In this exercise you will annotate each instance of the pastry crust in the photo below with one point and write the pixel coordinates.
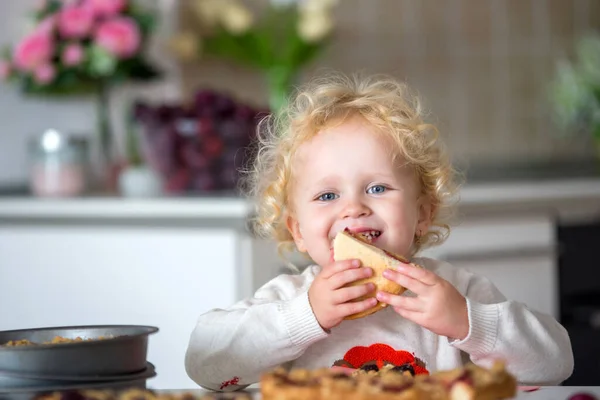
(467, 383)
(350, 246)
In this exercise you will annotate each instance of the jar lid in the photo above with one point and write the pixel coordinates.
(53, 141)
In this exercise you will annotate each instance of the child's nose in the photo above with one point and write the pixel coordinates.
(355, 209)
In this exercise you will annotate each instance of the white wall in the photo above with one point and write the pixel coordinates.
(22, 118)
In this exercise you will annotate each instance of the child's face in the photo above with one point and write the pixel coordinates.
(345, 177)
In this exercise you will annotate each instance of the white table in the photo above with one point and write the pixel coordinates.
(558, 392)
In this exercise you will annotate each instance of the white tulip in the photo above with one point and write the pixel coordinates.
(236, 18)
(207, 11)
(314, 26)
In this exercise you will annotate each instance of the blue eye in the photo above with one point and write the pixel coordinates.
(327, 196)
(376, 189)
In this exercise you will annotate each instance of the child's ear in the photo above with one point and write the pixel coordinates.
(294, 229)
(425, 212)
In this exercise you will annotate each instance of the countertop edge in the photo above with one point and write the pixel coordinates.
(232, 207)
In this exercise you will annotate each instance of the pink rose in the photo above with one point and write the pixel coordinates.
(44, 73)
(119, 36)
(34, 50)
(106, 7)
(46, 26)
(75, 22)
(72, 54)
(5, 70)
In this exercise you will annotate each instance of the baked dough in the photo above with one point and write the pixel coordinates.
(467, 383)
(352, 246)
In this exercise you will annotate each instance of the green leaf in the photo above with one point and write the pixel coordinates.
(101, 62)
(237, 48)
(65, 84)
(145, 21)
(137, 69)
(52, 7)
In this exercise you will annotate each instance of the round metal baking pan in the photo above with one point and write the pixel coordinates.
(122, 350)
(14, 380)
(32, 393)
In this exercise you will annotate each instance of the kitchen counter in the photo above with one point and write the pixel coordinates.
(198, 250)
(545, 393)
(230, 207)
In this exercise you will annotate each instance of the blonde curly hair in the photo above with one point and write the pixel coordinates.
(384, 103)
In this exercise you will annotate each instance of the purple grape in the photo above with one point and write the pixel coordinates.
(205, 127)
(193, 157)
(231, 130)
(224, 106)
(204, 99)
(166, 113)
(583, 396)
(212, 146)
(203, 181)
(178, 182)
(235, 156)
(245, 113)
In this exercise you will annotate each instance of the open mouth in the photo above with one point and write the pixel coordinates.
(369, 235)
(365, 235)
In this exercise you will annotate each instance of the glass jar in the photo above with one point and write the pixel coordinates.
(58, 165)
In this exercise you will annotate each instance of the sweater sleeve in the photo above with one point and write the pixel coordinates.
(230, 348)
(535, 347)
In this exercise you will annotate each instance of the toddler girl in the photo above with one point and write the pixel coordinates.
(356, 153)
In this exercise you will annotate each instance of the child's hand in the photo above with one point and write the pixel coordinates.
(438, 306)
(330, 301)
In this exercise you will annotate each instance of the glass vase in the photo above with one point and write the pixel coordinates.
(280, 82)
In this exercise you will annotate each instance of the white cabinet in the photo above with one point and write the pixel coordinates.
(527, 279)
(97, 274)
(516, 251)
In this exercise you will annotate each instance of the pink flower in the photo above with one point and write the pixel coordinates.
(44, 73)
(75, 22)
(46, 26)
(72, 54)
(34, 50)
(5, 70)
(119, 36)
(106, 7)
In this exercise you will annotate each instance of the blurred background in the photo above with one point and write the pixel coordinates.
(124, 125)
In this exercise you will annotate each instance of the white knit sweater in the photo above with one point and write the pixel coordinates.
(230, 348)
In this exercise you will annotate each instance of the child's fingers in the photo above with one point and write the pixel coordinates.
(339, 266)
(414, 316)
(402, 302)
(348, 276)
(420, 274)
(412, 284)
(350, 293)
(356, 306)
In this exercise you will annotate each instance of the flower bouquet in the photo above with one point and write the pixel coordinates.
(575, 91)
(82, 47)
(288, 35)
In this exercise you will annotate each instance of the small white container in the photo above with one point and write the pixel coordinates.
(58, 165)
(140, 181)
